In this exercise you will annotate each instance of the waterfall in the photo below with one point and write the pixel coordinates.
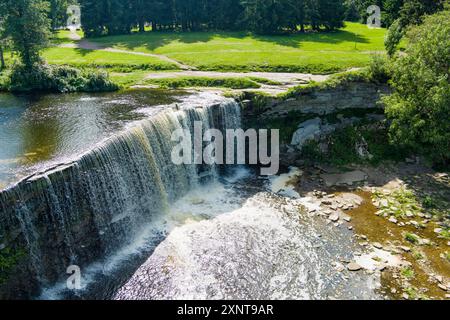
(83, 211)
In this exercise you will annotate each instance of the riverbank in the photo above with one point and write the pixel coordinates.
(399, 215)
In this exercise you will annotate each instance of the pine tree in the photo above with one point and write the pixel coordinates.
(92, 17)
(331, 13)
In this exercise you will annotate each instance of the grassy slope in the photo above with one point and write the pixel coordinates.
(114, 60)
(226, 51)
(313, 52)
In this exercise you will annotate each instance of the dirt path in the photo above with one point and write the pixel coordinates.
(284, 81)
(88, 45)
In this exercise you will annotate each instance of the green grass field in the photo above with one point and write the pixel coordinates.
(238, 51)
(111, 60)
(318, 53)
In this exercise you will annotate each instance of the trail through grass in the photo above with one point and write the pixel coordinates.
(239, 51)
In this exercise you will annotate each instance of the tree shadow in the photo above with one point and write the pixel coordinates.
(157, 39)
(296, 40)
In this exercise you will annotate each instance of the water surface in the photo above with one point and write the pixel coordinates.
(38, 131)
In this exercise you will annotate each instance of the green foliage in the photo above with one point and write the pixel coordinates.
(391, 10)
(429, 203)
(411, 237)
(342, 146)
(379, 70)
(8, 261)
(260, 101)
(407, 272)
(27, 24)
(413, 11)
(190, 82)
(335, 81)
(43, 77)
(393, 37)
(410, 12)
(419, 107)
(109, 17)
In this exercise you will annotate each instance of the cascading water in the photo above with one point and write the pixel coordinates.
(81, 211)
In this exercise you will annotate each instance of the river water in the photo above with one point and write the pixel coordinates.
(38, 131)
(164, 232)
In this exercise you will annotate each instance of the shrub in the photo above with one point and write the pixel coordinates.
(379, 69)
(44, 77)
(420, 104)
(393, 37)
(9, 259)
(188, 82)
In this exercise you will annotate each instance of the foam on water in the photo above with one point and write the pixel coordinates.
(267, 248)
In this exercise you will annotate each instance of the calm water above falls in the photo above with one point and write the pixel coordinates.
(38, 131)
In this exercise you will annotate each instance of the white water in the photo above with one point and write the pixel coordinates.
(265, 248)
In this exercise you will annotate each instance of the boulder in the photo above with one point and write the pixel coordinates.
(307, 131)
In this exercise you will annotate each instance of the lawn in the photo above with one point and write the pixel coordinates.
(114, 61)
(192, 82)
(239, 51)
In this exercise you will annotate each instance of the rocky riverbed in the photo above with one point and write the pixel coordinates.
(399, 214)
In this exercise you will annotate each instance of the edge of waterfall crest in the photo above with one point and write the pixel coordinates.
(79, 212)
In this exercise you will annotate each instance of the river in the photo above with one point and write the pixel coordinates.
(104, 195)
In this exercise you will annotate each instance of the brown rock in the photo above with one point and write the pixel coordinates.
(353, 266)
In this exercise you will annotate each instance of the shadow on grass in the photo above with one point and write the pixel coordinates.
(154, 40)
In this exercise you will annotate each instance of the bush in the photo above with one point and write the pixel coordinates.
(420, 104)
(379, 69)
(44, 77)
(190, 82)
(393, 37)
(341, 146)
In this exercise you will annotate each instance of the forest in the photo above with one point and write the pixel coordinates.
(109, 17)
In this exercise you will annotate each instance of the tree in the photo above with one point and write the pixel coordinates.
(58, 12)
(351, 11)
(412, 13)
(331, 13)
(419, 107)
(28, 26)
(393, 37)
(267, 16)
(391, 10)
(2, 36)
(106, 17)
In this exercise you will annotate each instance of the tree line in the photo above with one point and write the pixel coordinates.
(410, 12)
(25, 24)
(108, 17)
